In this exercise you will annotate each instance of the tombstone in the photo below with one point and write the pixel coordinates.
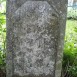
(35, 36)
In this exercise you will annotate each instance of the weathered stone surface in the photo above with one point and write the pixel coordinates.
(35, 34)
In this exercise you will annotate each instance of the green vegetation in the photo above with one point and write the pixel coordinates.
(72, 12)
(70, 50)
(2, 34)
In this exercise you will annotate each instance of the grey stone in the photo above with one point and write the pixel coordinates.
(35, 36)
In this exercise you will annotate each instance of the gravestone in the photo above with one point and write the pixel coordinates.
(35, 36)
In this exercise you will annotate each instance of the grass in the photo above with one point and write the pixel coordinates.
(70, 50)
(70, 30)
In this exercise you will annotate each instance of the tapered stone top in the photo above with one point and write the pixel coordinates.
(35, 34)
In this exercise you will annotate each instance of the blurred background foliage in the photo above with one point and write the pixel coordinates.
(69, 67)
(2, 33)
(70, 49)
(70, 46)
